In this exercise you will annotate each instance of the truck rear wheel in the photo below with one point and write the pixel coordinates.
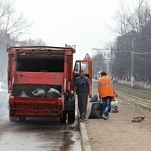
(21, 119)
(13, 118)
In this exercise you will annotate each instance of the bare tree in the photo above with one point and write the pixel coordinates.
(36, 42)
(133, 19)
(10, 22)
(12, 25)
(133, 23)
(99, 63)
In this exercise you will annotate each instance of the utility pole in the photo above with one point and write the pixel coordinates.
(132, 64)
(111, 70)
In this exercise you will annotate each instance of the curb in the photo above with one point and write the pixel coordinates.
(84, 138)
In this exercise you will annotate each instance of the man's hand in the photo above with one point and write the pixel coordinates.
(116, 95)
(90, 95)
(72, 93)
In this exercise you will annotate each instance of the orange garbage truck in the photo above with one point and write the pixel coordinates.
(41, 81)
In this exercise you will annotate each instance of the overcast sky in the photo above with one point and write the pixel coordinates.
(75, 22)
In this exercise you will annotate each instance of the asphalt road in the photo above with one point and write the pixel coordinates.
(37, 134)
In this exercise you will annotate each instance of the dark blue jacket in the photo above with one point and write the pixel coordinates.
(82, 84)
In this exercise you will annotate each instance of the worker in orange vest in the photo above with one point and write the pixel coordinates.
(106, 93)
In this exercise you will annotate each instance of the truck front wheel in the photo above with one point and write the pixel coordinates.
(71, 116)
(68, 116)
(63, 118)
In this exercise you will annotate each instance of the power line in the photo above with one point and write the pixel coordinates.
(142, 53)
(125, 50)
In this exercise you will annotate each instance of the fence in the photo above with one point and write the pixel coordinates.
(140, 84)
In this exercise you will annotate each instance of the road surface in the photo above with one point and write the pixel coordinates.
(37, 135)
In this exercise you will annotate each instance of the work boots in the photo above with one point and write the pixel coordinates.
(105, 117)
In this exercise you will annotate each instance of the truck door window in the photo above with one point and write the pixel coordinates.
(84, 66)
(77, 67)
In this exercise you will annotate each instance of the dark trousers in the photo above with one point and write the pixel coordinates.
(82, 103)
(107, 105)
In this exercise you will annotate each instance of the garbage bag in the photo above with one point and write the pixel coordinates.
(53, 93)
(39, 92)
(114, 106)
(96, 110)
(94, 98)
(23, 94)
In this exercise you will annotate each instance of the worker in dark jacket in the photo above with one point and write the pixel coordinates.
(81, 87)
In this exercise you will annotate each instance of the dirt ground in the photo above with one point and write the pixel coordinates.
(119, 133)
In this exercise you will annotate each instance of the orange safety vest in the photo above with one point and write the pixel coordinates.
(105, 87)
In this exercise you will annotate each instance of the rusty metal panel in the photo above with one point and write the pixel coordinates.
(54, 78)
(36, 107)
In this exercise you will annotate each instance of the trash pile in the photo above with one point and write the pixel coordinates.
(94, 98)
(97, 107)
(96, 110)
(52, 93)
(138, 119)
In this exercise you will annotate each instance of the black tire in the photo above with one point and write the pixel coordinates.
(13, 118)
(69, 109)
(69, 103)
(71, 116)
(21, 119)
(63, 118)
